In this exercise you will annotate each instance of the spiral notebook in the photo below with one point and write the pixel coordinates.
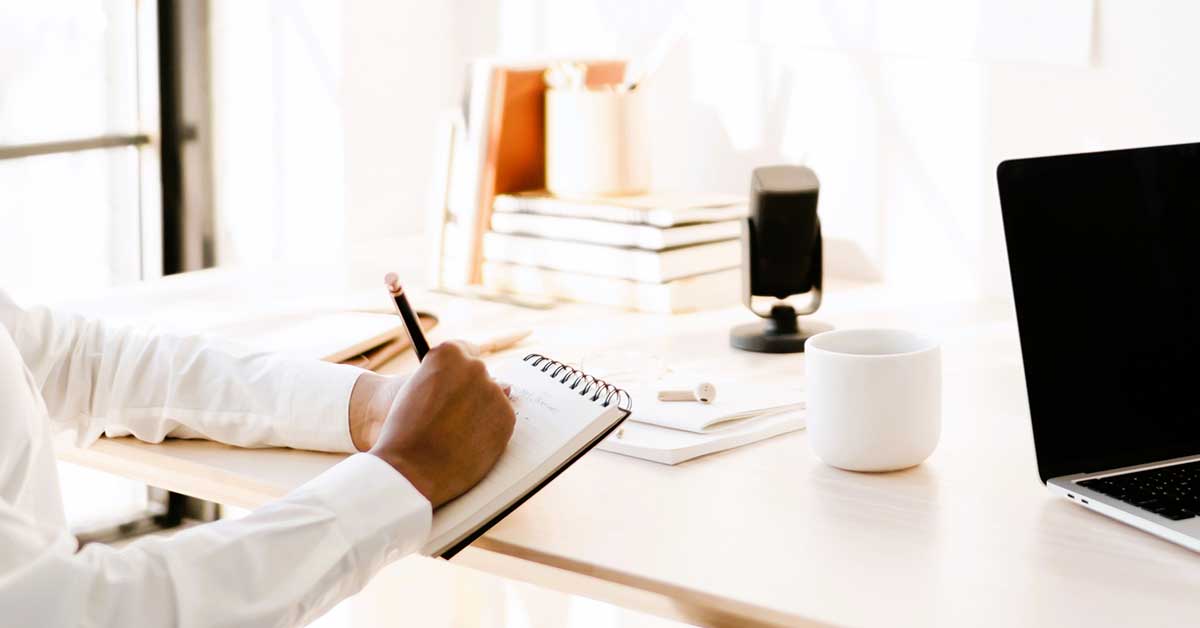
(561, 414)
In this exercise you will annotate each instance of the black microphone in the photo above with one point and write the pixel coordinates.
(781, 258)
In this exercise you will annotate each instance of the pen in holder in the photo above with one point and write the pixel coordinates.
(596, 141)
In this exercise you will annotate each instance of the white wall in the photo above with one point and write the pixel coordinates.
(905, 124)
(403, 64)
(903, 109)
(277, 133)
(323, 118)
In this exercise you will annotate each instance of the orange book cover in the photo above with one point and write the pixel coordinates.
(516, 147)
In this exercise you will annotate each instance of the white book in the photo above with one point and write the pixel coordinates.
(668, 446)
(451, 138)
(734, 402)
(688, 294)
(660, 210)
(607, 261)
(670, 432)
(614, 233)
(329, 336)
(467, 138)
(555, 426)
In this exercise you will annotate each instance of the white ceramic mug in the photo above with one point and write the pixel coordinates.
(874, 398)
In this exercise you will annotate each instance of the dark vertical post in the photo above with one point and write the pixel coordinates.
(172, 139)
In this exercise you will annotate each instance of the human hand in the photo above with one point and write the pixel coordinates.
(447, 425)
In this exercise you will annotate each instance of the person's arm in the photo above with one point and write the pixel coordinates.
(288, 561)
(101, 380)
(284, 564)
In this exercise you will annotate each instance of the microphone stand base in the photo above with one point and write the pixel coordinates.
(775, 335)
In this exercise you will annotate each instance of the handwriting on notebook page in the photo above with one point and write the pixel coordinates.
(528, 404)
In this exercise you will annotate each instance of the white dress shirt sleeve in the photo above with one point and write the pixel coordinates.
(99, 380)
(284, 564)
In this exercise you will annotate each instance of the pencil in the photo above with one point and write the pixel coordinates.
(412, 324)
(500, 343)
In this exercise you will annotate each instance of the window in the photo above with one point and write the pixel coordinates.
(79, 191)
(89, 143)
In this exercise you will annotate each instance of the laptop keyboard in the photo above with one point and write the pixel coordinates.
(1172, 492)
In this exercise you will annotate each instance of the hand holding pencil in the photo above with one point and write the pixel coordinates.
(416, 335)
(412, 324)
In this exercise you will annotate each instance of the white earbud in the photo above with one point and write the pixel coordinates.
(704, 392)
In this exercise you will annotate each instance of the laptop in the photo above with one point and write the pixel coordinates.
(1104, 250)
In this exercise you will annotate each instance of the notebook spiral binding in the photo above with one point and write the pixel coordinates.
(600, 390)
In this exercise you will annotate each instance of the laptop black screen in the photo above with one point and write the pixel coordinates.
(1104, 250)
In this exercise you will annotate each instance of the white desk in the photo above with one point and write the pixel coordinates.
(762, 534)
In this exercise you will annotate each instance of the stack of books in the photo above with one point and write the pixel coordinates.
(494, 144)
(653, 253)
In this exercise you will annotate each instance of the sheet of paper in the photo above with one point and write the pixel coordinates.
(668, 446)
(734, 401)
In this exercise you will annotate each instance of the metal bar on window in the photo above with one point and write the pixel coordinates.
(19, 151)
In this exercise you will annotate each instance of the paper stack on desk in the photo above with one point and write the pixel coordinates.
(654, 252)
(672, 432)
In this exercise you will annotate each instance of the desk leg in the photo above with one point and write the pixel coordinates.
(167, 511)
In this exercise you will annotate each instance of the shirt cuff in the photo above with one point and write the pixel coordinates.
(319, 394)
(380, 513)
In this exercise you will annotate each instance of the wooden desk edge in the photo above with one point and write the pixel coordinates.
(145, 464)
(619, 588)
(140, 461)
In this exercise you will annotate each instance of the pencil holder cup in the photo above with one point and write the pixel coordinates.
(596, 142)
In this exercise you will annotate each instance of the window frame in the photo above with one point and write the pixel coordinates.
(174, 172)
(172, 138)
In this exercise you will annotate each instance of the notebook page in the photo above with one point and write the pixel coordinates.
(553, 422)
